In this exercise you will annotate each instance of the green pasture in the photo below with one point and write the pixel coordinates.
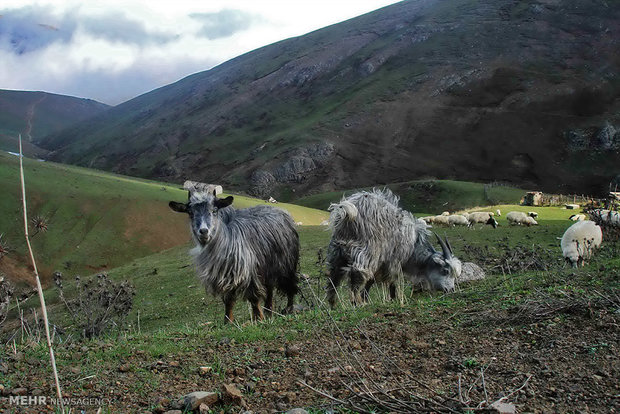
(169, 296)
(425, 197)
(96, 220)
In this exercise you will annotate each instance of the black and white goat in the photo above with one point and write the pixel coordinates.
(248, 252)
(373, 240)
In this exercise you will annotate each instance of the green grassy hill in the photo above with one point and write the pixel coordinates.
(158, 275)
(96, 220)
(424, 197)
(37, 114)
(167, 288)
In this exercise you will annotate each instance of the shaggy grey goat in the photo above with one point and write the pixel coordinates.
(246, 252)
(373, 240)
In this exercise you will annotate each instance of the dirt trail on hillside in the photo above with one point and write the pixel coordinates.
(30, 116)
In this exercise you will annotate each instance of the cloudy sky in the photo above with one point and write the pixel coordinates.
(114, 50)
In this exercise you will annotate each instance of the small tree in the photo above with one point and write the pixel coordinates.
(99, 304)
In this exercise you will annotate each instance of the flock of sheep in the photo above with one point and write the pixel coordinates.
(515, 218)
(252, 252)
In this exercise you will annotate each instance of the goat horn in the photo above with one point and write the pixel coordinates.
(444, 248)
(449, 247)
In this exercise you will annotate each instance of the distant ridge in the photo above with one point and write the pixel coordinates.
(37, 114)
(525, 92)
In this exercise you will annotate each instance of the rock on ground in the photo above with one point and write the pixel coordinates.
(194, 399)
(471, 271)
(232, 395)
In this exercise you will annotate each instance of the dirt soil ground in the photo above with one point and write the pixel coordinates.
(555, 363)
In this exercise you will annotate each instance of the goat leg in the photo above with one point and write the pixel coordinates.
(290, 303)
(269, 301)
(257, 312)
(392, 291)
(366, 292)
(229, 303)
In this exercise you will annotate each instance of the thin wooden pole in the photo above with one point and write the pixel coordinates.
(36, 273)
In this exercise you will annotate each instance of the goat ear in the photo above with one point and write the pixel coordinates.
(224, 202)
(178, 207)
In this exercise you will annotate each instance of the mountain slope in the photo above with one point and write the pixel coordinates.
(519, 91)
(37, 114)
(95, 220)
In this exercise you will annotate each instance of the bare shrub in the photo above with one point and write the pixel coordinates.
(40, 224)
(99, 303)
(513, 259)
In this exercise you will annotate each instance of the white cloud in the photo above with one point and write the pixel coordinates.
(113, 50)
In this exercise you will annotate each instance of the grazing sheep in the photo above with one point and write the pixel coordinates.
(533, 214)
(246, 252)
(580, 241)
(443, 220)
(428, 219)
(373, 240)
(483, 217)
(498, 212)
(577, 217)
(518, 218)
(458, 220)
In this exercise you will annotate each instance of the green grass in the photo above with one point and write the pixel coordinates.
(431, 196)
(97, 220)
(169, 296)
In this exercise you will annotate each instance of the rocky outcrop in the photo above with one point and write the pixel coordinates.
(602, 138)
(299, 164)
(262, 183)
(608, 137)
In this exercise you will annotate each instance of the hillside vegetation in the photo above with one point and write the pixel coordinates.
(37, 114)
(96, 220)
(524, 92)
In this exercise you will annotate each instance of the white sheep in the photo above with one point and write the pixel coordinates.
(518, 218)
(577, 217)
(579, 242)
(483, 217)
(458, 220)
(498, 212)
(443, 220)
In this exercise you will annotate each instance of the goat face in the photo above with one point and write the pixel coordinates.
(203, 210)
(442, 271)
